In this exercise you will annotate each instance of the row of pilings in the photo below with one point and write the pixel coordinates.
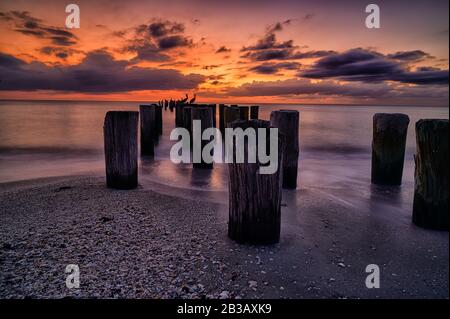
(255, 199)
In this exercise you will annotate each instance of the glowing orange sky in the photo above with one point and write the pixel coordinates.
(328, 25)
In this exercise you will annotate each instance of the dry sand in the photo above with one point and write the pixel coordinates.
(142, 244)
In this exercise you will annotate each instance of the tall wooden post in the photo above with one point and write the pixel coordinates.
(254, 112)
(214, 112)
(222, 117)
(243, 113)
(179, 115)
(431, 192)
(204, 114)
(148, 129)
(388, 148)
(159, 119)
(231, 114)
(120, 142)
(287, 122)
(187, 118)
(254, 198)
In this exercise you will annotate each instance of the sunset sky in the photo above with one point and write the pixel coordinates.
(226, 51)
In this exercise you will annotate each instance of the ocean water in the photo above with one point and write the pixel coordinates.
(56, 138)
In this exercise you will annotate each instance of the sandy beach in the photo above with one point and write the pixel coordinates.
(143, 244)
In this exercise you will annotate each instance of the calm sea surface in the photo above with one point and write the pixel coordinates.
(42, 138)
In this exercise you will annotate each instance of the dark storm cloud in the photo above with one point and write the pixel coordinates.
(369, 66)
(10, 62)
(148, 52)
(165, 28)
(409, 56)
(312, 54)
(151, 41)
(223, 49)
(273, 68)
(269, 41)
(60, 52)
(98, 72)
(376, 91)
(268, 48)
(26, 24)
(304, 87)
(174, 41)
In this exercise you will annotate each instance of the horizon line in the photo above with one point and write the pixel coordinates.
(243, 103)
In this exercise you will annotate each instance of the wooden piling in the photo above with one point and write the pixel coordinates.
(254, 198)
(431, 191)
(243, 113)
(254, 112)
(159, 119)
(388, 148)
(179, 115)
(204, 114)
(120, 144)
(222, 117)
(214, 114)
(148, 128)
(287, 122)
(231, 114)
(187, 118)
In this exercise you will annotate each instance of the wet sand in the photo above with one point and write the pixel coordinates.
(147, 244)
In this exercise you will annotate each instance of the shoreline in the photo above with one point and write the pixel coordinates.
(143, 244)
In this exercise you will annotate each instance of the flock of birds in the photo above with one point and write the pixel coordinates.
(172, 103)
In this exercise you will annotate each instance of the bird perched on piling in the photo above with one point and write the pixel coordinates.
(183, 101)
(193, 99)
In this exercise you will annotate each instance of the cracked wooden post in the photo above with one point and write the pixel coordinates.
(388, 148)
(243, 113)
(287, 121)
(254, 112)
(254, 198)
(431, 191)
(231, 114)
(120, 143)
(204, 114)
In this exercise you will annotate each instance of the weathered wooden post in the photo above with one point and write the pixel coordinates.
(431, 191)
(179, 115)
(287, 121)
(204, 114)
(254, 198)
(148, 129)
(214, 112)
(231, 114)
(222, 117)
(120, 138)
(159, 119)
(388, 148)
(254, 111)
(187, 118)
(243, 113)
